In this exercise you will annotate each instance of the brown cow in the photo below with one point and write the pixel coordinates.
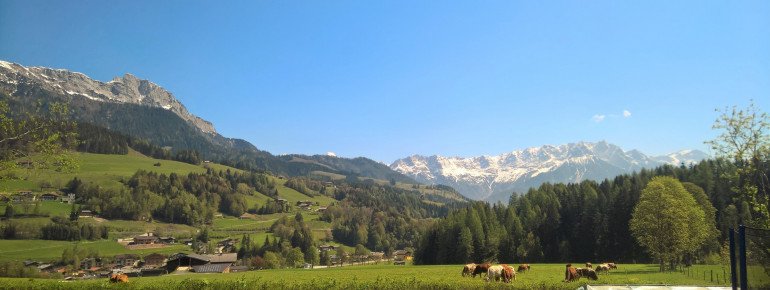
(589, 266)
(508, 274)
(481, 268)
(571, 274)
(119, 278)
(588, 273)
(523, 267)
(468, 269)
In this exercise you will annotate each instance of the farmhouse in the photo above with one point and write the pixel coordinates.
(69, 198)
(24, 196)
(50, 196)
(124, 260)
(145, 240)
(167, 240)
(84, 213)
(281, 200)
(324, 248)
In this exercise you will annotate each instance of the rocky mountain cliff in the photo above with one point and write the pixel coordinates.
(18, 80)
(496, 177)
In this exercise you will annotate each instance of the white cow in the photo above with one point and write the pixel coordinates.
(495, 272)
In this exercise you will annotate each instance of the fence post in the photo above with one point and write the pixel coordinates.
(733, 275)
(712, 275)
(742, 257)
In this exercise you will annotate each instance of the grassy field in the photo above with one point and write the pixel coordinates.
(44, 250)
(383, 276)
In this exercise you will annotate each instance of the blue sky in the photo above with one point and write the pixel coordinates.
(388, 79)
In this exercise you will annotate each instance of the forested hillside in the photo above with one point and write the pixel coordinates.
(587, 221)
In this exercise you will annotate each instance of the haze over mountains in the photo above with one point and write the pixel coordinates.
(494, 178)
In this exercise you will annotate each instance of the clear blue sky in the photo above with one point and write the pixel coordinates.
(387, 79)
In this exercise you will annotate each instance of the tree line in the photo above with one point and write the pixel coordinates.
(586, 221)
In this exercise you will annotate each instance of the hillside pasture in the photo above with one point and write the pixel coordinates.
(381, 276)
(45, 250)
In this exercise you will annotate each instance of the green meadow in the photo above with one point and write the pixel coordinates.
(382, 276)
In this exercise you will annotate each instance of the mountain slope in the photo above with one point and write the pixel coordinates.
(142, 109)
(495, 177)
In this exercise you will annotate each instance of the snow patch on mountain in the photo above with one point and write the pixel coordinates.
(490, 176)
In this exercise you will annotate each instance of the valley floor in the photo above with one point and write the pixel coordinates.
(386, 276)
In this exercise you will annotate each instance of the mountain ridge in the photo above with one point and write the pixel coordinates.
(482, 177)
(142, 109)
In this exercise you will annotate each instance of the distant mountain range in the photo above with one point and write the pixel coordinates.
(494, 178)
(142, 109)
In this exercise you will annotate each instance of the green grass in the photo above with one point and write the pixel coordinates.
(45, 250)
(52, 208)
(382, 276)
(103, 169)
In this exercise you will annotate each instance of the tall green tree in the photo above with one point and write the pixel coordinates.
(745, 139)
(667, 221)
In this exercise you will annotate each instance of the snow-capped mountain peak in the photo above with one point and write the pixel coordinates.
(494, 177)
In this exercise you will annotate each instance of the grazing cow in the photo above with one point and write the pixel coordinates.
(494, 273)
(508, 274)
(571, 274)
(468, 269)
(612, 265)
(523, 267)
(481, 268)
(589, 266)
(119, 278)
(603, 268)
(588, 273)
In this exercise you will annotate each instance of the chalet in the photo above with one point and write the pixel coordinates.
(219, 215)
(24, 196)
(145, 240)
(124, 260)
(281, 200)
(84, 213)
(50, 196)
(227, 245)
(321, 209)
(401, 256)
(154, 260)
(89, 263)
(45, 267)
(376, 256)
(69, 198)
(167, 240)
(324, 248)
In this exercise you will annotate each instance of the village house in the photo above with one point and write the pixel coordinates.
(124, 260)
(324, 248)
(50, 196)
(321, 209)
(24, 196)
(145, 240)
(167, 240)
(84, 213)
(154, 260)
(90, 263)
(281, 200)
(376, 256)
(69, 198)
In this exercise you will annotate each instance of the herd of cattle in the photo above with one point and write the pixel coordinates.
(507, 274)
